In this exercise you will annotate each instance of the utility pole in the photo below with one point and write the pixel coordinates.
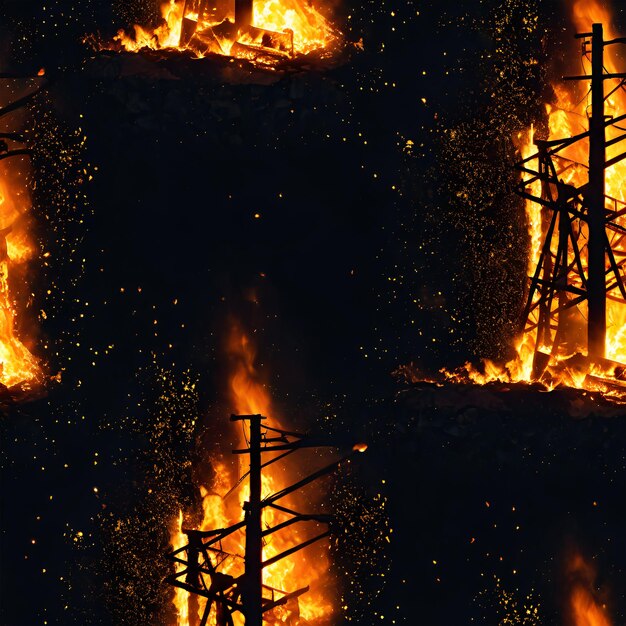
(580, 214)
(596, 215)
(200, 562)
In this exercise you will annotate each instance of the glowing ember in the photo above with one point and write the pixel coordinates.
(584, 607)
(222, 507)
(278, 29)
(17, 364)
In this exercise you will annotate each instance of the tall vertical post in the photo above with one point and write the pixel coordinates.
(193, 580)
(253, 589)
(596, 279)
(243, 13)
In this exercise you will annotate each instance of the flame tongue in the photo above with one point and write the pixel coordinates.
(17, 364)
(250, 396)
(282, 18)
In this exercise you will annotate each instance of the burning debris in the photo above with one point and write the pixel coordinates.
(265, 32)
(467, 470)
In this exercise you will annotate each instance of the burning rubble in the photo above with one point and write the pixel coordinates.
(572, 334)
(441, 549)
(265, 32)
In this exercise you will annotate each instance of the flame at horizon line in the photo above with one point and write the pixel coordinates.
(17, 364)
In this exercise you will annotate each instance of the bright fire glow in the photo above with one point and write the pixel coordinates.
(584, 608)
(569, 117)
(250, 396)
(300, 18)
(17, 364)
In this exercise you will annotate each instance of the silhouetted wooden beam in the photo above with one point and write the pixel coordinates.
(596, 249)
(268, 606)
(289, 551)
(20, 102)
(22, 75)
(606, 76)
(13, 153)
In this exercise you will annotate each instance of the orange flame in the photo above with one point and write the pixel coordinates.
(249, 395)
(179, 540)
(566, 118)
(310, 29)
(17, 364)
(584, 609)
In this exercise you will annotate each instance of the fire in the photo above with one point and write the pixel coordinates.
(17, 364)
(166, 35)
(221, 508)
(279, 28)
(568, 117)
(178, 540)
(584, 608)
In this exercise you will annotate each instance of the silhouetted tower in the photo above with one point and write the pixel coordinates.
(596, 278)
(575, 217)
(203, 556)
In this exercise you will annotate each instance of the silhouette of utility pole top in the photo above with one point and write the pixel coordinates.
(202, 557)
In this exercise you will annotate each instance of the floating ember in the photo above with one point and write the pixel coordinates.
(265, 31)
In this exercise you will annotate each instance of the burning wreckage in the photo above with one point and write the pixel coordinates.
(263, 31)
(572, 327)
(229, 570)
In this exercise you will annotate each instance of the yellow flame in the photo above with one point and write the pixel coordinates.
(17, 364)
(568, 117)
(310, 29)
(249, 395)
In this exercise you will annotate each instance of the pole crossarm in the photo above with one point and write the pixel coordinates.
(200, 561)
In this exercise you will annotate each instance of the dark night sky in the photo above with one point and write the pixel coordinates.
(362, 259)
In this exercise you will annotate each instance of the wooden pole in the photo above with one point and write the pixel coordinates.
(252, 594)
(244, 13)
(596, 280)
